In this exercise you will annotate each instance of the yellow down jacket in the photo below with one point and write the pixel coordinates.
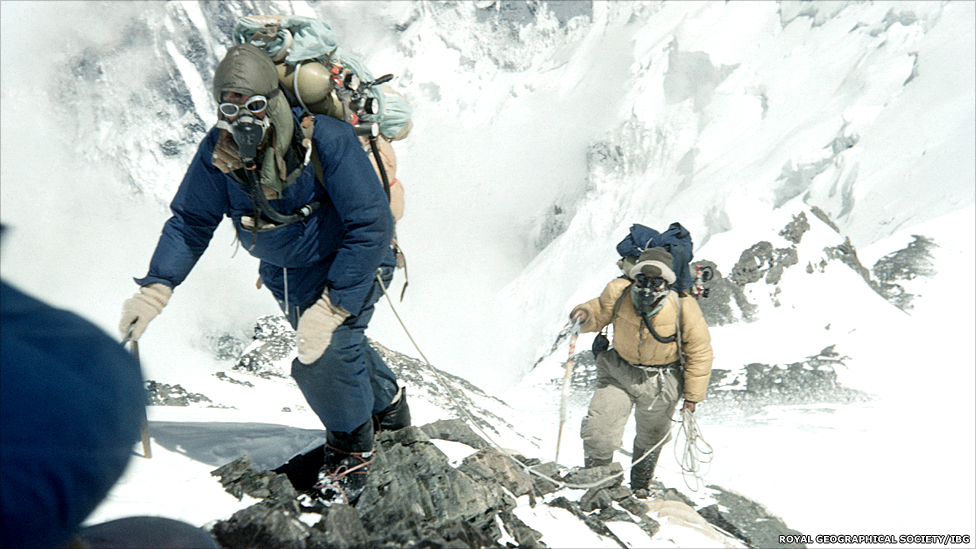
(635, 344)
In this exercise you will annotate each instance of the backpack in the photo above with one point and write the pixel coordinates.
(677, 241)
(321, 78)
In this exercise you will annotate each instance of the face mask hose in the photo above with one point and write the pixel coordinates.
(248, 132)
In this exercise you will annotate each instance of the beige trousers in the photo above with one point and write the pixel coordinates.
(620, 388)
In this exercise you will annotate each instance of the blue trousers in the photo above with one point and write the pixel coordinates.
(350, 382)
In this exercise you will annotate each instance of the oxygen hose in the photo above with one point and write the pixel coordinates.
(379, 163)
(266, 206)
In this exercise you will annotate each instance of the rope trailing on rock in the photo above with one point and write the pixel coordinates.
(697, 451)
(450, 393)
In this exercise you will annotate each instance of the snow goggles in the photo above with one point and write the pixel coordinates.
(655, 283)
(254, 105)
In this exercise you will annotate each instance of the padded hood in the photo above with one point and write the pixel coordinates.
(246, 70)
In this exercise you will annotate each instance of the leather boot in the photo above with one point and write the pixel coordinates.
(589, 462)
(395, 416)
(347, 458)
(642, 473)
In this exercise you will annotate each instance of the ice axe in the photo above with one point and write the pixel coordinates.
(567, 377)
(134, 347)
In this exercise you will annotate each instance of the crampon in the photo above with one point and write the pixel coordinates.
(343, 480)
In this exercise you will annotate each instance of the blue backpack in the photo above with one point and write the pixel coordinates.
(676, 240)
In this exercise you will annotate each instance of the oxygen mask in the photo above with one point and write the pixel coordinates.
(246, 124)
(648, 294)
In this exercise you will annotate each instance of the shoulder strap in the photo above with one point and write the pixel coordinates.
(620, 300)
(308, 127)
(677, 328)
(616, 308)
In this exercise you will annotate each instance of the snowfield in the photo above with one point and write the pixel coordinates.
(542, 132)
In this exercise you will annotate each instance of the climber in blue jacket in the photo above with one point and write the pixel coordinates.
(320, 222)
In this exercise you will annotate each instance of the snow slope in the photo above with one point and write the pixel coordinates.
(541, 133)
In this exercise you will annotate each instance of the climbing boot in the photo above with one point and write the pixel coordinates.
(395, 416)
(348, 456)
(642, 473)
(589, 462)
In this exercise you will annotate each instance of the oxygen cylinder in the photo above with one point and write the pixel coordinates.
(314, 80)
(315, 87)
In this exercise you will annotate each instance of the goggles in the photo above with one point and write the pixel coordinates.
(654, 283)
(254, 105)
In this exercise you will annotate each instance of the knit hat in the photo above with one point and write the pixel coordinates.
(655, 262)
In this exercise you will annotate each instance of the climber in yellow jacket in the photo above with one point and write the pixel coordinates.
(650, 366)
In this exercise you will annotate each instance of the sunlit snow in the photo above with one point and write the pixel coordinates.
(537, 142)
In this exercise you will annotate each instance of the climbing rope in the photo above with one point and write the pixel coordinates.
(330, 481)
(696, 451)
(473, 423)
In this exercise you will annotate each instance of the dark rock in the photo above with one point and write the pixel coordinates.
(549, 470)
(794, 229)
(612, 514)
(752, 265)
(608, 476)
(591, 521)
(903, 265)
(162, 394)
(635, 506)
(810, 381)
(524, 535)
(619, 493)
(722, 293)
(822, 216)
(226, 346)
(595, 498)
(674, 495)
(411, 483)
(491, 465)
(762, 260)
(340, 528)
(274, 339)
(847, 254)
(746, 519)
(239, 478)
(302, 470)
(455, 430)
(462, 534)
(224, 377)
(261, 526)
(639, 509)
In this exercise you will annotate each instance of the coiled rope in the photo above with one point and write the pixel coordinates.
(473, 423)
(697, 451)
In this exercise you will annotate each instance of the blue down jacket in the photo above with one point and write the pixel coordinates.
(71, 402)
(341, 245)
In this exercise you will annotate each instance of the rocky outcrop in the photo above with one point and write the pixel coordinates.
(895, 269)
(747, 520)
(415, 498)
(163, 394)
(723, 292)
(810, 381)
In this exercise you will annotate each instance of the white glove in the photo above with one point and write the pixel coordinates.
(315, 328)
(142, 307)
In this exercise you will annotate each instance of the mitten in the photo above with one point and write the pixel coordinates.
(142, 307)
(315, 328)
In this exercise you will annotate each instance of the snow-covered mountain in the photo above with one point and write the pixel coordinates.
(543, 130)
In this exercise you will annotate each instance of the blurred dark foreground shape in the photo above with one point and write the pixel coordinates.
(72, 403)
